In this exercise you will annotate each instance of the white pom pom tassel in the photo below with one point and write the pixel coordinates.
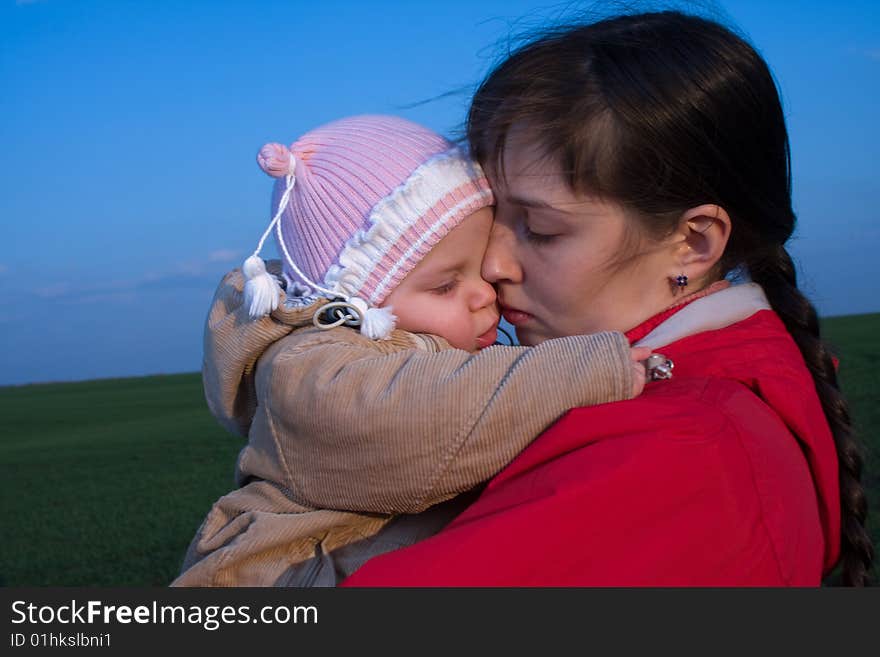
(260, 289)
(377, 323)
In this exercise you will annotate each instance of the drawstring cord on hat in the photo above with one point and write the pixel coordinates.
(261, 289)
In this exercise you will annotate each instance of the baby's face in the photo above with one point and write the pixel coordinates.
(445, 295)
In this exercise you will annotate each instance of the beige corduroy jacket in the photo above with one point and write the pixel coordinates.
(355, 446)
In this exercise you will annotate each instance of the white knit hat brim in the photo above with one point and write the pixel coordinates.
(364, 268)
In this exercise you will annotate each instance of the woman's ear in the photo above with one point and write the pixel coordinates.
(703, 233)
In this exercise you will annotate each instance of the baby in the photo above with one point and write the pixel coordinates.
(361, 370)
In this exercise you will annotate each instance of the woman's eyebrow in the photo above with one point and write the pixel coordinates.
(539, 204)
(530, 202)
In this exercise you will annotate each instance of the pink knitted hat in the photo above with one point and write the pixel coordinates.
(359, 202)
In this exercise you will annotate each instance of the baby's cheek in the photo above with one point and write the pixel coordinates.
(464, 337)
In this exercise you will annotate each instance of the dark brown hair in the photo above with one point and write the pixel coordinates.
(663, 112)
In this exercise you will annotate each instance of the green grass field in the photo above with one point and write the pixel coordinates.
(104, 482)
(856, 340)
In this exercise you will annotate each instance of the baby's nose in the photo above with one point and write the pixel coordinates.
(484, 295)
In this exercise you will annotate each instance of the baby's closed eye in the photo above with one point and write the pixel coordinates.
(445, 288)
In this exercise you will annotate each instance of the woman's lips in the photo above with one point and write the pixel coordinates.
(514, 316)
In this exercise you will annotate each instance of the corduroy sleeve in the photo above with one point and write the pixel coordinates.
(397, 433)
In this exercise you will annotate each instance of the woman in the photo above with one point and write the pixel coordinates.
(639, 163)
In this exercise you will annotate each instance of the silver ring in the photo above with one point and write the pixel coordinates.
(658, 367)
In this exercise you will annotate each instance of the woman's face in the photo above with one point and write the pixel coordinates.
(565, 264)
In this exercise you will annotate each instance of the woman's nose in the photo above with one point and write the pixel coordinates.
(499, 264)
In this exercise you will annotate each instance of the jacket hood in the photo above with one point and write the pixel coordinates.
(755, 349)
(233, 343)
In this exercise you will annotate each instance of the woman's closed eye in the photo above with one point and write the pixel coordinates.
(537, 234)
(536, 237)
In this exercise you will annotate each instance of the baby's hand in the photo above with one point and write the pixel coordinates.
(637, 355)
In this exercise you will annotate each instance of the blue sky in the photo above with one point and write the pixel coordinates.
(129, 130)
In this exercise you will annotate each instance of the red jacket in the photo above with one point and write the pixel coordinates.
(725, 475)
